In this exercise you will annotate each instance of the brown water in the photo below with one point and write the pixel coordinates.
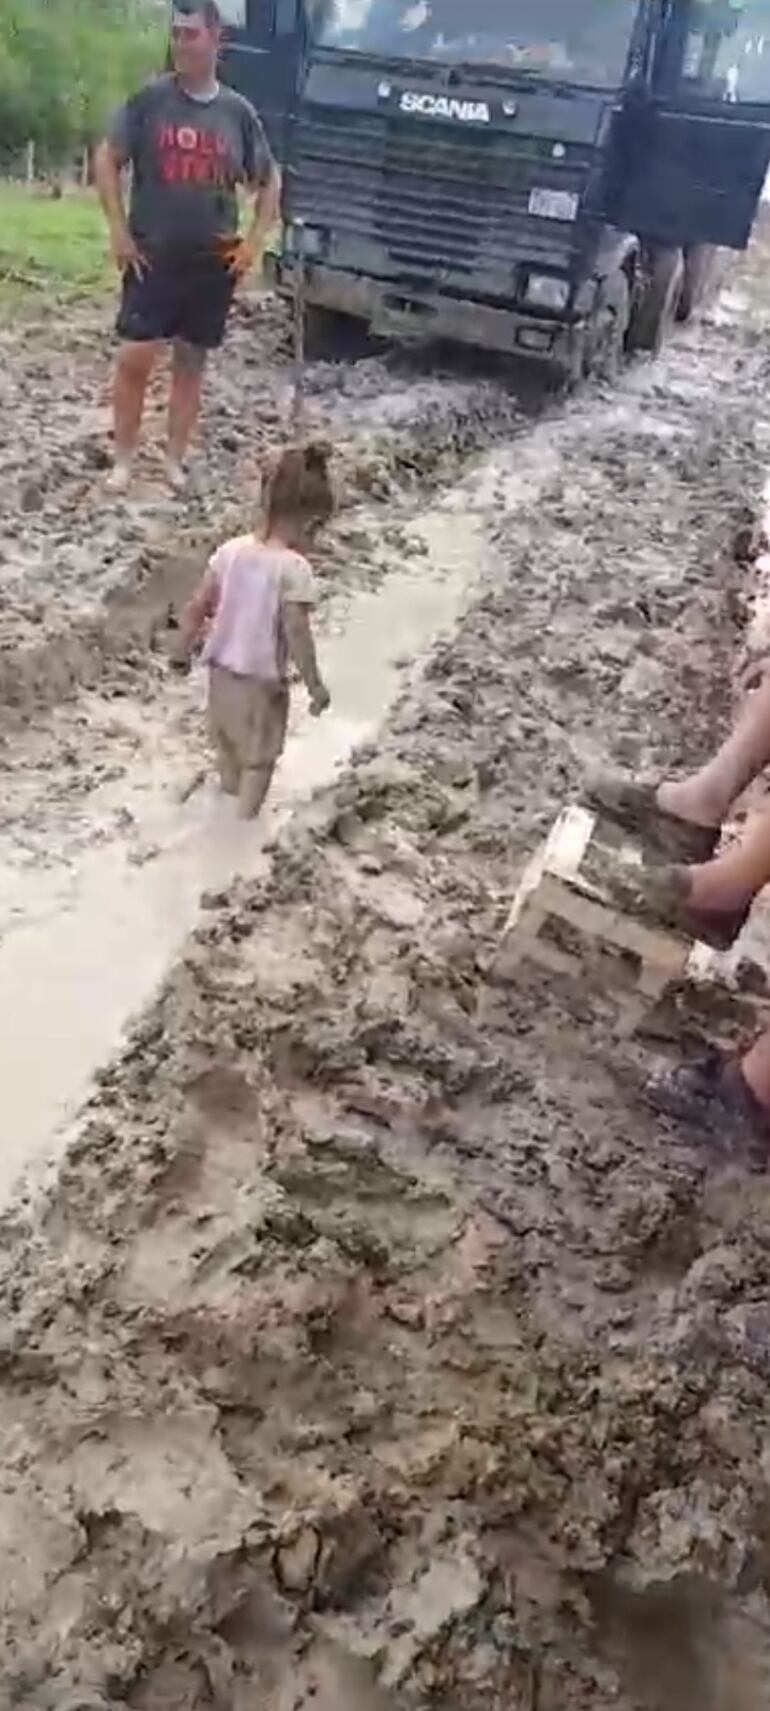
(86, 950)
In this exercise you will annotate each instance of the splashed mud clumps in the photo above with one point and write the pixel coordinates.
(374, 1347)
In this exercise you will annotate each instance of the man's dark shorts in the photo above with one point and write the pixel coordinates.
(183, 296)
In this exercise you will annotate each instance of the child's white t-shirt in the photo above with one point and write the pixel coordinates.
(250, 584)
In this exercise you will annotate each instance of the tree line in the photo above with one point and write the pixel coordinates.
(64, 64)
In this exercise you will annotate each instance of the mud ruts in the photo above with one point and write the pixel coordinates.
(374, 1348)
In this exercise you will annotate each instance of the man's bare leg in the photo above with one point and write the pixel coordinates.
(134, 367)
(707, 797)
(188, 364)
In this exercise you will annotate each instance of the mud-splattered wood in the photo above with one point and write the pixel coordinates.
(564, 918)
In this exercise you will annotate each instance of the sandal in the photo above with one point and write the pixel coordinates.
(635, 807)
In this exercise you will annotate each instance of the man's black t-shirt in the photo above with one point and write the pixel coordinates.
(188, 157)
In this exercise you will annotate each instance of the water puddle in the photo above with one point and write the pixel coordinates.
(81, 961)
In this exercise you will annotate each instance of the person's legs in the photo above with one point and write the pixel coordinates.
(268, 720)
(707, 797)
(205, 295)
(228, 765)
(724, 1101)
(709, 901)
(134, 367)
(682, 821)
(225, 722)
(188, 364)
(254, 787)
(732, 880)
(756, 1070)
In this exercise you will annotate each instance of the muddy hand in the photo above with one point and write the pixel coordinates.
(320, 700)
(239, 258)
(180, 662)
(127, 255)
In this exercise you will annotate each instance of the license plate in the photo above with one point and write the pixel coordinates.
(554, 204)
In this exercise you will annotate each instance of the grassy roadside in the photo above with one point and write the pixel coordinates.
(53, 252)
(50, 252)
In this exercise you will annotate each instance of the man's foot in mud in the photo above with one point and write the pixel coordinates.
(671, 896)
(119, 479)
(711, 1095)
(649, 810)
(177, 476)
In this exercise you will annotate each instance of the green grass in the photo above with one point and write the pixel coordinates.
(50, 252)
(54, 252)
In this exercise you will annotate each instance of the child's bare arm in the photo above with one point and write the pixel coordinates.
(197, 612)
(299, 635)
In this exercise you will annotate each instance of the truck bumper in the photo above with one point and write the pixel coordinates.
(405, 313)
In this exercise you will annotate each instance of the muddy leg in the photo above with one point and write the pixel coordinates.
(756, 1070)
(255, 784)
(734, 879)
(134, 367)
(187, 368)
(708, 796)
(228, 765)
(226, 696)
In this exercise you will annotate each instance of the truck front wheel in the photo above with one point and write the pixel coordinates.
(657, 310)
(331, 335)
(608, 331)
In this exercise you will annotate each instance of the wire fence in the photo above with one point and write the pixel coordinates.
(36, 165)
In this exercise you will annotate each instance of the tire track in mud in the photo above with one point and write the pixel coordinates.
(372, 1350)
(99, 587)
(88, 584)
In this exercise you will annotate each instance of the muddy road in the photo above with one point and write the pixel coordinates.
(373, 1347)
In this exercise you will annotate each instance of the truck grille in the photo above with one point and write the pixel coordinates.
(432, 195)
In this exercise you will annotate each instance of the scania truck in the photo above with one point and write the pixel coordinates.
(549, 177)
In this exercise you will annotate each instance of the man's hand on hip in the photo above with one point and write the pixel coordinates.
(241, 256)
(127, 255)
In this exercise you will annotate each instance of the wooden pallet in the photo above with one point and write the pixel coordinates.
(563, 918)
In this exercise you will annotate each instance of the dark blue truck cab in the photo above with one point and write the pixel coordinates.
(541, 176)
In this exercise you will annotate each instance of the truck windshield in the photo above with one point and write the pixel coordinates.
(575, 41)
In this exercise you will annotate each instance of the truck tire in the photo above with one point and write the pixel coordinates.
(331, 335)
(699, 267)
(656, 313)
(608, 333)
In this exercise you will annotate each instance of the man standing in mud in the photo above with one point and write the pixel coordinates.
(190, 143)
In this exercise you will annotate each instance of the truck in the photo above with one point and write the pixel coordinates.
(544, 177)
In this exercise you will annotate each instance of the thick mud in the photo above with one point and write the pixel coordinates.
(374, 1347)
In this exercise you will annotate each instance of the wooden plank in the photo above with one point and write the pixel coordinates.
(564, 919)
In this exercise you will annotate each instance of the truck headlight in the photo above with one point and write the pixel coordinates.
(303, 240)
(554, 204)
(545, 292)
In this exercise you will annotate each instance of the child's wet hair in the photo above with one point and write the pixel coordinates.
(298, 486)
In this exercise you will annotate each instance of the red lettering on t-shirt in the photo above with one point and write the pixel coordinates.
(188, 155)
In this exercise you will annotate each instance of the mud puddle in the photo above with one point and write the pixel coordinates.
(82, 951)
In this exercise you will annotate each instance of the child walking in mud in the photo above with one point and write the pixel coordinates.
(252, 614)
